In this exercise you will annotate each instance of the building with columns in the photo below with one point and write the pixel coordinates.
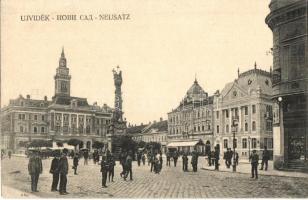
(208, 120)
(62, 118)
(244, 107)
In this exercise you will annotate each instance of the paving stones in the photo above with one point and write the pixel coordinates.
(170, 183)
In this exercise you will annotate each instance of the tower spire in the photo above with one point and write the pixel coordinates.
(62, 53)
(238, 72)
(196, 78)
(255, 64)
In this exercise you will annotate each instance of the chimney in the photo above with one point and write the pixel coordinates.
(28, 96)
(161, 119)
(45, 98)
(154, 121)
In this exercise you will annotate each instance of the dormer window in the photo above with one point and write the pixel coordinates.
(266, 82)
(22, 103)
(249, 82)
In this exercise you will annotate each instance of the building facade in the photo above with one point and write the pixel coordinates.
(209, 120)
(288, 22)
(152, 132)
(191, 121)
(244, 108)
(62, 118)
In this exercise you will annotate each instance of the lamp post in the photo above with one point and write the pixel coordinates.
(234, 126)
(249, 147)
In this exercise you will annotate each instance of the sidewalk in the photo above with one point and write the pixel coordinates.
(8, 192)
(244, 167)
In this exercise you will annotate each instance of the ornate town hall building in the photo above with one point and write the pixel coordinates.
(60, 119)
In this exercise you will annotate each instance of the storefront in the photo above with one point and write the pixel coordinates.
(187, 146)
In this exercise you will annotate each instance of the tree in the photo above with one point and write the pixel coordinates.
(97, 145)
(74, 142)
(127, 143)
(153, 146)
(40, 143)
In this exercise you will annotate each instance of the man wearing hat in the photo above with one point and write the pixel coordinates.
(63, 170)
(104, 170)
(54, 170)
(35, 168)
(254, 159)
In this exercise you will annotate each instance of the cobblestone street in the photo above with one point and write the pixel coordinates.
(170, 183)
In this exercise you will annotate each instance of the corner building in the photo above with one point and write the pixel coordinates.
(288, 22)
(60, 119)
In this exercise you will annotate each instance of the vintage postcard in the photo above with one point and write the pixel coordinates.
(154, 99)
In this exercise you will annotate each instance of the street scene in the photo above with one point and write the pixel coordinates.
(172, 182)
(214, 105)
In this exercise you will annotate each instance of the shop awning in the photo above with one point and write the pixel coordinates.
(185, 144)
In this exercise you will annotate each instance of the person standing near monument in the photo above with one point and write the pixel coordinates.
(104, 170)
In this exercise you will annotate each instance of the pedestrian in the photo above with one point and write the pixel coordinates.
(194, 161)
(63, 170)
(75, 163)
(111, 167)
(185, 162)
(160, 161)
(265, 158)
(152, 159)
(168, 158)
(236, 158)
(104, 170)
(216, 155)
(86, 157)
(122, 162)
(143, 159)
(54, 170)
(210, 159)
(128, 165)
(35, 168)
(95, 153)
(9, 154)
(138, 158)
(175, 158)
(254, 159)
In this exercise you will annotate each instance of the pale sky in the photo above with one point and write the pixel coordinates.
(159, 50)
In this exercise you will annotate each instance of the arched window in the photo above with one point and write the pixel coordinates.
(42, 129)
(253, 125)
(88, 129)
(246, 127)
(35, 129)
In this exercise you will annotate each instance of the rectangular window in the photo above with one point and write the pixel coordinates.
(244, 143)
(254, 126)
(246, 110)
(235, 143)
(35, 117)
(253, 109)
(269, 126)
(227, 113)
(217, 129)
(43, 118)
(254, 143)
(225, 143)
(42, 129)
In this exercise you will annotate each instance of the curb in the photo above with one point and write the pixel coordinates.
(249, 173)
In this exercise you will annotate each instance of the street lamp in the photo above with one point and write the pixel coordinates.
(234, 126)
(249, 147)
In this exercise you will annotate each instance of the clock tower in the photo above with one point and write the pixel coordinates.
(62, 78)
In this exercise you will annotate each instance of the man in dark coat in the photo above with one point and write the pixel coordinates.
(254, 159)
(216, 155)
(122, 162)
(185, 162)
(75, 163)
(175, 157)
(104, 170)
(265, 158)
(209, 158)
(54, 170)
(139, 158)
(168, 158)
(63, 170)
(143, 159)
(152, 159)
(128, 165)
(35, 168)
(86, 157)
(194, 161)
(111, 167)
(9, 154)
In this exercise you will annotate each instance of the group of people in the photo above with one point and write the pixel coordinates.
(229, 155)
(107, 168)
(194, 161)
(126, 160)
